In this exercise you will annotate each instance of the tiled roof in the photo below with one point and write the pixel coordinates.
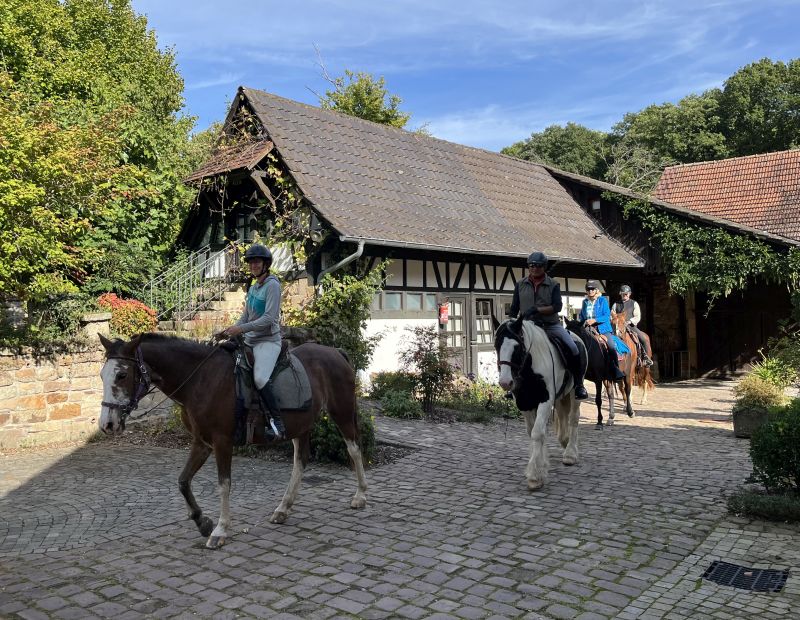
(243, 155)
(394, 187)
(759, 191)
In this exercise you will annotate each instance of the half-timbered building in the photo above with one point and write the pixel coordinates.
(457, 223)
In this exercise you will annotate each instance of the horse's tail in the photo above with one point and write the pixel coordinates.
(346, 357)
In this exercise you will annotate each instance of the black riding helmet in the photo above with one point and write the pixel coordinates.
(539, 258)
(257, 251)
(625, 289)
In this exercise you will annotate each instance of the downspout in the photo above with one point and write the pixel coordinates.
(345, 261)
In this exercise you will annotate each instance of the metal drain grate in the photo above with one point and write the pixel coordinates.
(753, 579)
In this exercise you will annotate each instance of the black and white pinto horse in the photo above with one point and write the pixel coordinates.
(531, 367)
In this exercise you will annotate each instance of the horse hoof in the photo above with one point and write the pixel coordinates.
(278, 517)
(358, 502)
(598, 426)
(610, 423)
(215, 542)
(206, 526)
(569, 460)
(535, 485)
(631, 414)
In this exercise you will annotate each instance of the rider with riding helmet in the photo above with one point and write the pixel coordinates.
(630, 308)
(260, 324)
(538, 297)
(595, 312)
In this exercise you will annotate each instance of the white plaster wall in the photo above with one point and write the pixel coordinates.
(386, 355)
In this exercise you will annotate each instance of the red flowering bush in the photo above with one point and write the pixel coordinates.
(128, 316)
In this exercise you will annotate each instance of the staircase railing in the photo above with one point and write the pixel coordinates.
(193, 283)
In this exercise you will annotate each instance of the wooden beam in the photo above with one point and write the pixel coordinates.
(258, 177)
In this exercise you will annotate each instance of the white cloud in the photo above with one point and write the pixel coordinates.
(221, 80)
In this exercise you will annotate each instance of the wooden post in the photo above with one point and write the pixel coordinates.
(691, 332)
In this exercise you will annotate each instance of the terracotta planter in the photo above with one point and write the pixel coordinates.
(746, 421)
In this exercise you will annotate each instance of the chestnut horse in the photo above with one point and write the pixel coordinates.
(635, 373)
(201, 379)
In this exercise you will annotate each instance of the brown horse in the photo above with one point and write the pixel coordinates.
(635, 373)
(200, 378)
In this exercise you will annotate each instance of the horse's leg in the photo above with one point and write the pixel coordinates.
(298, 465)
(197, 456)
(598, 401)
(538, 465)
(628, 389)
(570, 417)
(611, 389)
(530, 418)
(222, 454)
(354, 450)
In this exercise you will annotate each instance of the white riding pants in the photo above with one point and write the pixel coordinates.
(265, 354)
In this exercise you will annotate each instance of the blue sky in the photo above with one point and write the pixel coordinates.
(486, 74)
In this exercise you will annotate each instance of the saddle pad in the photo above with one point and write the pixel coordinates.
(622, 348)
(291, 386)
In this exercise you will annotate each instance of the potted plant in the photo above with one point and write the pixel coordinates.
(754, 397)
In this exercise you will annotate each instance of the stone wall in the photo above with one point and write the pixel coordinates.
(46, 401)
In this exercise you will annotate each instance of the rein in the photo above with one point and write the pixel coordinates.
(143, 386)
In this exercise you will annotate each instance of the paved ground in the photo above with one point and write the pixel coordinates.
(449, 531)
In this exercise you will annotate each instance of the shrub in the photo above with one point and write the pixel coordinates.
(327, 443)
(128, 316)
(401, 404)
(481, 401)
(392, 381)
(775, 449)
(779, 507)
(754, 392)
(54, 324)
(775, 370)
(425, 353)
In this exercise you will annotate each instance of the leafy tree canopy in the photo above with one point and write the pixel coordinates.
(360, 94)
(573, 148)
(92, 144)
(754, 112)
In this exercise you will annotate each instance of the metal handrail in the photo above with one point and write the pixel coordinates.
(193, 283)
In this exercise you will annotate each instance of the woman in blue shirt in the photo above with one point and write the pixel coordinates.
(596, 311)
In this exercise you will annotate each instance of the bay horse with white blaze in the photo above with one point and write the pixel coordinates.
(531, 367)
(635, 372)
(201, 379)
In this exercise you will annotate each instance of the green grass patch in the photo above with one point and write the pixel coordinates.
(769, 506)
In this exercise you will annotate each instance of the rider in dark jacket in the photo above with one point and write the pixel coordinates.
(538, 297)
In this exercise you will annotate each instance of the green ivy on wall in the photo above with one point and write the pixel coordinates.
(709, 259)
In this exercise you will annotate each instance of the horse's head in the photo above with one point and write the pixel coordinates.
(618, 323)
(575, 326)
(125, 379)
(510, 347)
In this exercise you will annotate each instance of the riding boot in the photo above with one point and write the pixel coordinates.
(615, 371)
(274, 429)
(577, 377)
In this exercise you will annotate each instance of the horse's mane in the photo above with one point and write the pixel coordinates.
(181, 345)
(535, 338)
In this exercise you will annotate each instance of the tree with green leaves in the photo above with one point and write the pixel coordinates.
(759, 106)
(93, 143)
(360, 94)
(573, 148)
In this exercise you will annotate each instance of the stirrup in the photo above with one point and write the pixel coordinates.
(274, 432)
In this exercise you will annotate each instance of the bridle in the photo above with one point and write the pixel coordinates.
(515, 368)
(143, 383)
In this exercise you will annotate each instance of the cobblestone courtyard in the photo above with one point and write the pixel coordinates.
(449, 530)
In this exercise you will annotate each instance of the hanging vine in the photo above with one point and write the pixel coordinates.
(710, 259)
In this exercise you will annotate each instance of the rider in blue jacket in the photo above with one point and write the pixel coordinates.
(596, 311)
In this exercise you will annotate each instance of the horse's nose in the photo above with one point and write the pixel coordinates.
(505, 384)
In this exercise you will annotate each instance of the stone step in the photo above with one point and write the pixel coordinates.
(226, 305)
